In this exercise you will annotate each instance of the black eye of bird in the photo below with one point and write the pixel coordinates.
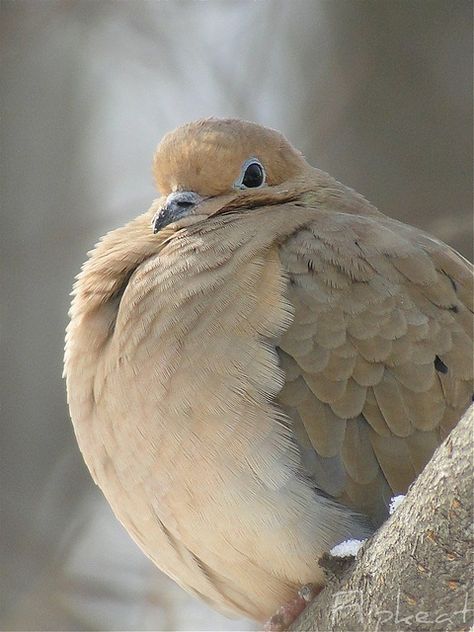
(254, 176)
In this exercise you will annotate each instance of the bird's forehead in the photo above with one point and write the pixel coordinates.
(207, 156)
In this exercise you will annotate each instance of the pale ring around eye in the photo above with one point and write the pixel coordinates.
(252, 175)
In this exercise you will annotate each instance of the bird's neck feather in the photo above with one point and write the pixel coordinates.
(101, 282)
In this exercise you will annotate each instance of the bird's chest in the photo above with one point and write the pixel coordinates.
(185, 392)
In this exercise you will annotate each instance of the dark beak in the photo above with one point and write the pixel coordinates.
(177, 205)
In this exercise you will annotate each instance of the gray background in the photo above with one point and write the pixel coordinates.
(377, 93)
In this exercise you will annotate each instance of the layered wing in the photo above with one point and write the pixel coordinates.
(379, 358)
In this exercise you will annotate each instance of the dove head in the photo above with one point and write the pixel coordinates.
(204, 166)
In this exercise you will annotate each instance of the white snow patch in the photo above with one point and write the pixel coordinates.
(348, 548)
(395, 502)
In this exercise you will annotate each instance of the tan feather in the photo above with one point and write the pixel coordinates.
(314, 359)
(425, 409)
(351, 403)
(371, 498)
(375, 349)
(421, 445)
(395, 461)
(367, 373)
(357, 452)
(326, 390)
(327, 434)
(374, 416)
(392, 405)
(339, 368)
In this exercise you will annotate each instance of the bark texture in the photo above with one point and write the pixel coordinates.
(416, 572)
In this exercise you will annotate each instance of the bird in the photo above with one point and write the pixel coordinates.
(257, 364)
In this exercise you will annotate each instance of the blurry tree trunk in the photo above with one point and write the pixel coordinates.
(45, 209)
(416, 572)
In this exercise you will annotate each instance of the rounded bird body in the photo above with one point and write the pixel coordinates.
(256, 365)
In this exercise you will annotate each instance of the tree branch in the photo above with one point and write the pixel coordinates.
(416, 572)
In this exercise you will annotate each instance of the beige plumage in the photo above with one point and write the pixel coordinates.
(251, 384)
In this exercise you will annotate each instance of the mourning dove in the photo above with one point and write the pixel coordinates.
(257, 364)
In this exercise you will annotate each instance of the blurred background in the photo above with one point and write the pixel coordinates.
(378, 93)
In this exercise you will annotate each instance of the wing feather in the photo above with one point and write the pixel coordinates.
(378, 359)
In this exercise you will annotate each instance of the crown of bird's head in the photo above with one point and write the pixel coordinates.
(208, 164)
